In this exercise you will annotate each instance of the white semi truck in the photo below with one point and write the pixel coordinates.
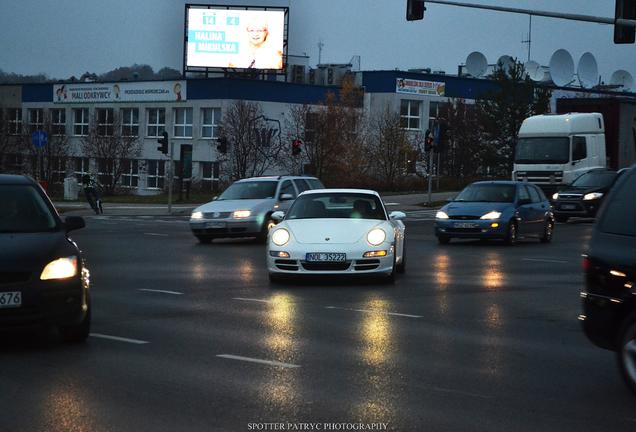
(553, 150)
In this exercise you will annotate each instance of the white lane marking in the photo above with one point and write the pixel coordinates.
(119, 339)
(156, 235)
(255, 360)
(460, 392)
(374, 311)
(544, 260)
(161, 291)
(251, 299)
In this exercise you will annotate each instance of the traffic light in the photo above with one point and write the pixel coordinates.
(428, 140)
(222, 145)
(163, 143)
(415, 10)
(296, 147)
(625, 9)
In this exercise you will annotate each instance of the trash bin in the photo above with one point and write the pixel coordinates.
(71, 189)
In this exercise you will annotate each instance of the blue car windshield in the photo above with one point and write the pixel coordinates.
(503, 193)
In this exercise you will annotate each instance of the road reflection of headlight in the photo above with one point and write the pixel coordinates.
(280, 237)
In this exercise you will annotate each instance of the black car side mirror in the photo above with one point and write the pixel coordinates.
(73, 223)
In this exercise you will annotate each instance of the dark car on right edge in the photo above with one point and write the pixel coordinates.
(609, 299)
(584, 196)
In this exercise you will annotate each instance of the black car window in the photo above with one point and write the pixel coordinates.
(23, 210)
(287, 188)
(619, 215)
(301, 185)
(523, 193)
(598, 179)
(534, 195)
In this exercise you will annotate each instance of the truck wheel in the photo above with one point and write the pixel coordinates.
(626, 354)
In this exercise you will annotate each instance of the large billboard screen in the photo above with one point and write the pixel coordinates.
(232, 38)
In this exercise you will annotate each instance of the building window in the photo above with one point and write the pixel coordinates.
(183, 122)
(13, 163)
(80, 167)
(105, 121)
(155, 171)
(58, 169)
(210, 124)
(80, 121)
(210, 175)
(130, 176)
(14, 118)
(105, 171)
(156, 122)
(410, 114)
(58, 120)
(436, 113)
(130, 122)
(36, 119)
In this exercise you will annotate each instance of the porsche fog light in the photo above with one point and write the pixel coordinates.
(372, 254)
(61, 268)
(280, 237)
(376, 236)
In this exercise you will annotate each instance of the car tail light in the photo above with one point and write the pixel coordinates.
(586, 263)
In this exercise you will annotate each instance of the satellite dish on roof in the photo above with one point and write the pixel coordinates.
(533, 70)
(587, 71)
(506, 62)
(561, 68)
(623, 79)
(476, 64)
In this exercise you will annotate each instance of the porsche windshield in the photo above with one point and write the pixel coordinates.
(337, 206)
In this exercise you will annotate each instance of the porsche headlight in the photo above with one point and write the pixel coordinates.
(555, 196)
(61, 268)
(592, 196)
(376, 236)
(441, 215)
(280, 237)
(491, 215)
(241, 214)
(196, 215)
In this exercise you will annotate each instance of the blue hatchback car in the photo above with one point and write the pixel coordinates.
(505, 210)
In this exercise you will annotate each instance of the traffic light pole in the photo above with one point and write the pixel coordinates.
(170, 177)
(566, 16)
(430, 176)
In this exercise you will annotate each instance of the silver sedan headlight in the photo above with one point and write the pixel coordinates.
(196, 215)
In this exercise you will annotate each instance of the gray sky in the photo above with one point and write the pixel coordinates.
(68, 37)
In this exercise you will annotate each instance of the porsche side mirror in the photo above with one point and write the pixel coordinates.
(278, 216)
(397, 215)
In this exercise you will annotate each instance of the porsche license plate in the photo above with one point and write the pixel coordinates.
(325, 257)
(10, 299)
(464, 225)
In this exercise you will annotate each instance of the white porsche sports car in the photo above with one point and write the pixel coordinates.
(336, 231)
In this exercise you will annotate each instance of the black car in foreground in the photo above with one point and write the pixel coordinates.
(584, 196)
(43, 280)
(609, 300)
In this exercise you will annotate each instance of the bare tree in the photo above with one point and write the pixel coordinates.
(112, 149)
(389, 148)
(8, 143)
(333, 136)
(253, 146)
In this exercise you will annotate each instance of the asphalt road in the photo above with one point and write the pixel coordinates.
(188, 337)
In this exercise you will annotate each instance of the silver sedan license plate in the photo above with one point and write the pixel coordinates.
(10, 299)
(325, 257)
(215, 225)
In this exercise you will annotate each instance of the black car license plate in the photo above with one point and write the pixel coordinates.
(325, 257)
(568, 207)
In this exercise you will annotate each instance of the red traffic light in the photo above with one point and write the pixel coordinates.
(296, 147)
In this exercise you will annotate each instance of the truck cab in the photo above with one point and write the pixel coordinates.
(553, 150)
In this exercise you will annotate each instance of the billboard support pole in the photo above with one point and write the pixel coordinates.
(170, 177)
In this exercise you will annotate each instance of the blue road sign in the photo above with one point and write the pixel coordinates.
(39, 138)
